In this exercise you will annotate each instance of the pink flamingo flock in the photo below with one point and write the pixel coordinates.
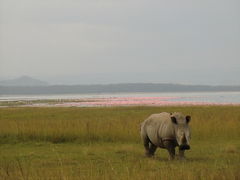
(134, 101)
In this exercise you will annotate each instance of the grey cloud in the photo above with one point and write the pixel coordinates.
(66, 38)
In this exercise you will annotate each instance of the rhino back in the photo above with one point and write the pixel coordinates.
(159, 126)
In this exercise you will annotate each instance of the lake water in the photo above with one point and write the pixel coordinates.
(137, 98)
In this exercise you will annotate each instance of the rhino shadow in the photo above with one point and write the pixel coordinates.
(194, 159)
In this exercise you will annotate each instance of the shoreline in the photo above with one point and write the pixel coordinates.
(111, 102)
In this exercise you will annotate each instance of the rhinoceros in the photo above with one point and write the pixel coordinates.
(166, 130)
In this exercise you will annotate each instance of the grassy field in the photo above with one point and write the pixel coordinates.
(104, 143)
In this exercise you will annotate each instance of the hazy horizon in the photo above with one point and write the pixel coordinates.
(137, 41)
(101, 80)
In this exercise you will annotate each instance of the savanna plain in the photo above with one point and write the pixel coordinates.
(104, 143)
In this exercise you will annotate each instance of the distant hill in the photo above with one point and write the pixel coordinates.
(113, 88)
(23, 81)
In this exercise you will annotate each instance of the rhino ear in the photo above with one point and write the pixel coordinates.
(174, 120)
(188, 118)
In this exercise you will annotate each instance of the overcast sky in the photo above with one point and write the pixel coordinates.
(112, 41)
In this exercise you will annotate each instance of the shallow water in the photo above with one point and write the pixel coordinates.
(134, 98)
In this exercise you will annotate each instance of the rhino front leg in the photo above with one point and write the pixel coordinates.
(171, 152)
(181, 154)
(171, 149)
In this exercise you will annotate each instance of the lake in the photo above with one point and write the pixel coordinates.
(191, 98)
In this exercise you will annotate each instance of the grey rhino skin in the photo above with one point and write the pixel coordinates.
(166, 130)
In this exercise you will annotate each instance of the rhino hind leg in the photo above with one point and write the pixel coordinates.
(147, 145)
(146, 142)
(152, 149)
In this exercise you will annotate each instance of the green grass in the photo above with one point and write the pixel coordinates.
(104, 143)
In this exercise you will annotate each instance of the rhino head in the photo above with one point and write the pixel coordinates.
(182, 130)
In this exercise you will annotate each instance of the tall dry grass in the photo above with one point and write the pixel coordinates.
(104, 143)
(117, 124)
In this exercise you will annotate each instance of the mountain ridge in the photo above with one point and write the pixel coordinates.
(23, 81)
(114, 88)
